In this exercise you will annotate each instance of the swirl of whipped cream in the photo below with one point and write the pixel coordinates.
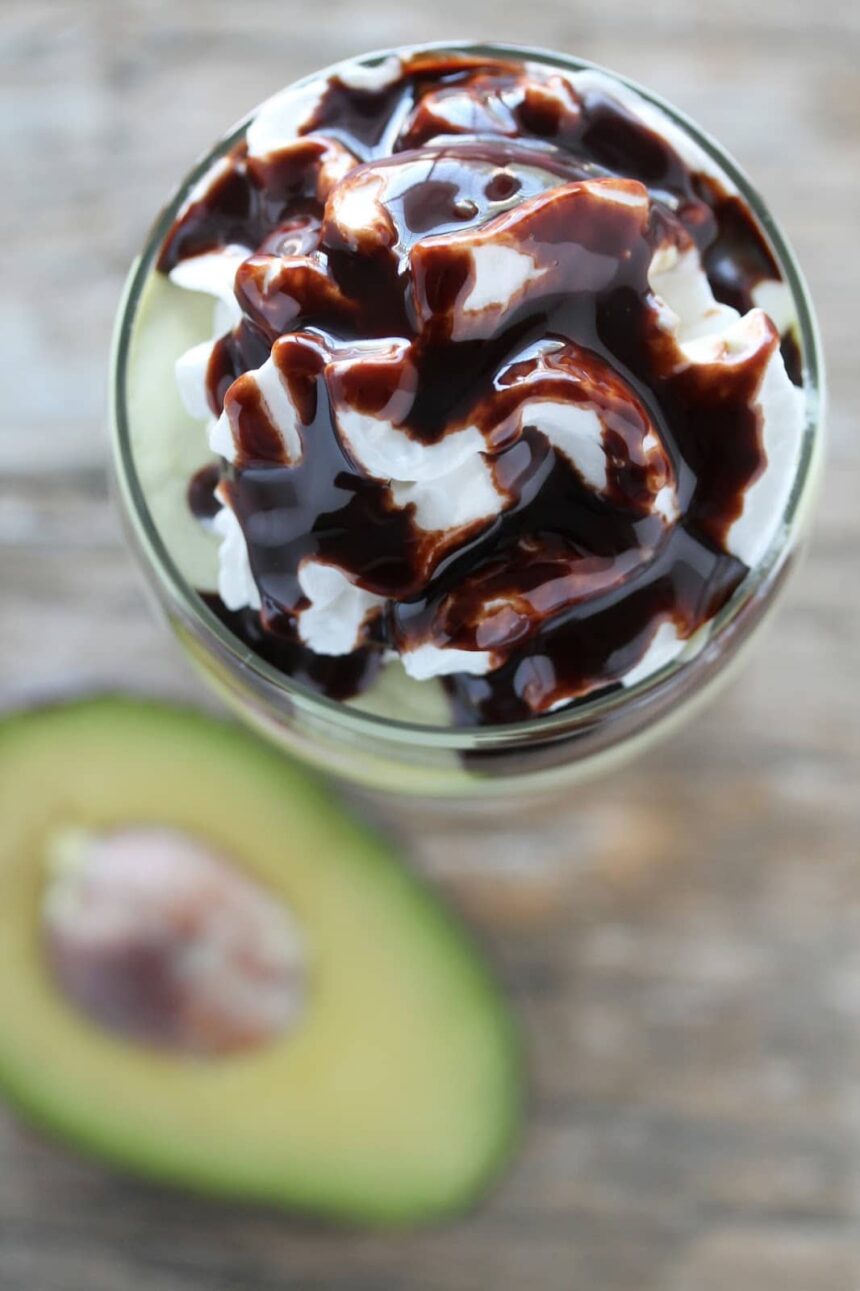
(477, 402)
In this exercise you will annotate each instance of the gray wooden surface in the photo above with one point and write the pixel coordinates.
(684, 946)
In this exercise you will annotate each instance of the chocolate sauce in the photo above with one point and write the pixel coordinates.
(339, 677)
(738, 257)
(792, 358)
(577, 579)
(203, 502)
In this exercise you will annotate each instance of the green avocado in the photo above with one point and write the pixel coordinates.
(394, 1096)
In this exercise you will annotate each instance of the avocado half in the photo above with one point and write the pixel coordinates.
(395, 1097)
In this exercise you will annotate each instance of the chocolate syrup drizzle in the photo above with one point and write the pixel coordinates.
(581, 578)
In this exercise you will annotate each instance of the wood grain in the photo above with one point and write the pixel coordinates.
(683, 946)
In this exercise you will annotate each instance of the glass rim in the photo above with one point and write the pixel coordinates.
(581, 714)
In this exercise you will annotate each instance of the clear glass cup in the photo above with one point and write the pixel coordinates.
(540, 756)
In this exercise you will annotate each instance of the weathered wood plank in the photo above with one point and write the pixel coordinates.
(682, 943)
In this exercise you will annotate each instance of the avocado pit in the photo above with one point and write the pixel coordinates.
(157, 937)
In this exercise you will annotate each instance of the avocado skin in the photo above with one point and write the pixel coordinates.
(120, 718)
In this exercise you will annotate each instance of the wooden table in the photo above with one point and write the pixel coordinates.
(684, 946)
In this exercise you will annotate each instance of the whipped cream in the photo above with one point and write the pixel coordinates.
(550, 227)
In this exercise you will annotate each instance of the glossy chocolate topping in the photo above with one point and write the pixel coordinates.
(465, 252)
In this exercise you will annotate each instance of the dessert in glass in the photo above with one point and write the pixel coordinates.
(467, 402)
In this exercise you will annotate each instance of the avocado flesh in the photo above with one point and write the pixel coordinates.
(169, 446)
(395, 1098)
